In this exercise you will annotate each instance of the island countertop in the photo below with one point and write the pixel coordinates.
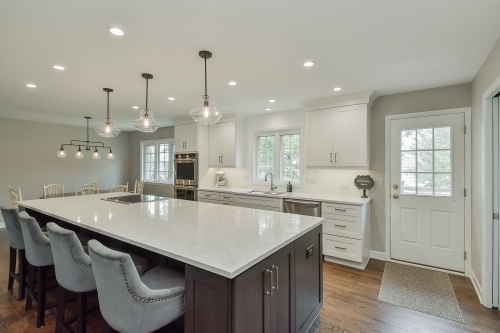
(225, 240)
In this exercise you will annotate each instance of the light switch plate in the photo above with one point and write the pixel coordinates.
(379, 182)
(310, 180)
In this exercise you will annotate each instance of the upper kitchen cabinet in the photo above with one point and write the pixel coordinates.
(226, 142)
(338, 131)
(186, 138)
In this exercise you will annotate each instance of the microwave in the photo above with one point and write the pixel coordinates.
(186, 169)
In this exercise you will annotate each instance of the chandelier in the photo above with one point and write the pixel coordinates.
(88, 145)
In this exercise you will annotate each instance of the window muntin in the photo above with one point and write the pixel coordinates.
(426, 161)
(157, 161)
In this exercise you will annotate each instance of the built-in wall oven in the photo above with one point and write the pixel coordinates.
(186, 176)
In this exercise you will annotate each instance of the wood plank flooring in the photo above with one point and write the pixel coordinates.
(350, 305)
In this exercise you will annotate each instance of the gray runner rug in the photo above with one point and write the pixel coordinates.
(421, 290)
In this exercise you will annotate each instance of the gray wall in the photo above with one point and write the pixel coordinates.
(488, 73)
(449, 97)
(135, 139)
(28, 153)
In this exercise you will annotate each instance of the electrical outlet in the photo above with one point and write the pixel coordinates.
(379, 182)
(310, 180)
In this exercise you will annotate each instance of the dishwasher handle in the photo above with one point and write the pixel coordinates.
(312, 203)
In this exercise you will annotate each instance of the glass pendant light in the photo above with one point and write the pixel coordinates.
(107, 128)
(79, 153)
(61, 153)
(206, 113)
(96, 154)
(111, 156)
(146, 122)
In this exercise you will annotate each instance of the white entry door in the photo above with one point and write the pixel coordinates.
(427, 191)
(496, 201)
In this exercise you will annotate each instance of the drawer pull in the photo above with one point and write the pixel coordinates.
(341, 209)
(340, 225)
(226, 197)
(208, 195)
(226, 203)
(342, 248)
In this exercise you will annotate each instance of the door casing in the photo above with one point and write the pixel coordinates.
(467, 173)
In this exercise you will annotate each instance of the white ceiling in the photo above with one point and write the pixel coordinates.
(389, 46)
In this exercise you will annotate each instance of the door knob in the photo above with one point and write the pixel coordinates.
(395, 196)
(395, 186)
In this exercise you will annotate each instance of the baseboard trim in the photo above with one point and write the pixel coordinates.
(477, 286)
(2, 225)
(378, 255)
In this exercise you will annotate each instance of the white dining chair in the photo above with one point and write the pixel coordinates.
(138, 187)
(85, 191)
(96, 185)
(52, 189)
(15, 195)
(118, 188)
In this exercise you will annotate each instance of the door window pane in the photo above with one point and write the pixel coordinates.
(408, 140)
(424, 138)
(408, 162)
(424, 161)
(442, 184)
(408, 183)
(442, 161)
(442, 138)
(424, 184)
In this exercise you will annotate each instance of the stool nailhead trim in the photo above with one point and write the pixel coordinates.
(70, 249)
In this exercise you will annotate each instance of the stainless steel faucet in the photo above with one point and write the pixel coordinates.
(273, 187)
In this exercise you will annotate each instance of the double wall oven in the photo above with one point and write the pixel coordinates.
(186, 176)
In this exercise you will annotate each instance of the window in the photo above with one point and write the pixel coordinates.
(426, 161)
(278, 152)
(157, 161)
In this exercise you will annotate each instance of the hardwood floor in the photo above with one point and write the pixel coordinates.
(350, 305)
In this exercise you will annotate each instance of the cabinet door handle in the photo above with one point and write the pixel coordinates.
(222, 159)
(335, 157)
(342, 248)
(331, 158)
(270, 292)
(340, 209)
(277, 277)
(340, 225)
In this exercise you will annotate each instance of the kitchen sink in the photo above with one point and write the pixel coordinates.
(267, 192)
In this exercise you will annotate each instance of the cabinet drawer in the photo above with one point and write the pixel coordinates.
(340, 209)
(342, 225)
(208, 201)
(340, 247)
(229, 197)
(226, 203)
(258, 201)
(208, 195)
(273, 209)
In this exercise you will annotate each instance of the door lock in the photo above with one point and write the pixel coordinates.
(395, 186)
(395, 196)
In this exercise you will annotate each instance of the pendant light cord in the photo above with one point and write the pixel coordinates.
(147, 89)
(108, 107)
(205, 76)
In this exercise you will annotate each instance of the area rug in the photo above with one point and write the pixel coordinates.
(421, 290)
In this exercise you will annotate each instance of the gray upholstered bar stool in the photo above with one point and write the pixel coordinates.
(131, 301)
(73, 273)
(16, 243)
(39, 255)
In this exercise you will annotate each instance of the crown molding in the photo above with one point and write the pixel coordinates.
(366, 97)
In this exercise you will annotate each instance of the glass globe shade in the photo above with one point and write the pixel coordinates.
(206, 113)
(146, 122)
(96, 155)
(107, 129)
(111, 156)
(61, 153)
(79, 153)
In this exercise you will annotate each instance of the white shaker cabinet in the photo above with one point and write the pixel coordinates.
(226, 143)
(350, 136)
(186, 138)
(319, 139)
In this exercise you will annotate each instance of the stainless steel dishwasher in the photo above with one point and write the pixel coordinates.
(303, 207)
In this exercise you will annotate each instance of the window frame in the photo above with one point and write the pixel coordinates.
(277, 156)
(171, 143)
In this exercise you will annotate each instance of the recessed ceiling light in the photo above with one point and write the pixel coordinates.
(337, 89)
(268, 109)
(60, 68)
(31, 85)
(116, 31)
(232, 83)
(171, 98)
(309, 63)
(272, 100)
(135, 107)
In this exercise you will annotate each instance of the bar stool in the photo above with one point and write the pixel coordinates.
(73, 273)
(16, 243)
(131, 301)
(39, 255)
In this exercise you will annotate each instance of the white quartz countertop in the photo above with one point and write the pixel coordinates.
(295, 195)
(221, 239)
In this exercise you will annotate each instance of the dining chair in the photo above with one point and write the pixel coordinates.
(118, 188)
(138, 187)
(133, 301)
(15, 195)
(85, 190)
(52, 189)
(96, 185)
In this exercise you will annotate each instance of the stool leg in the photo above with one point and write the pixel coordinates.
(12, 267)
(40, 311)
(61, 306)
(81, 314)
(22, 274)
(31, 286)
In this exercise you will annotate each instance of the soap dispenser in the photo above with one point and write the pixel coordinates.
(289, 187)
